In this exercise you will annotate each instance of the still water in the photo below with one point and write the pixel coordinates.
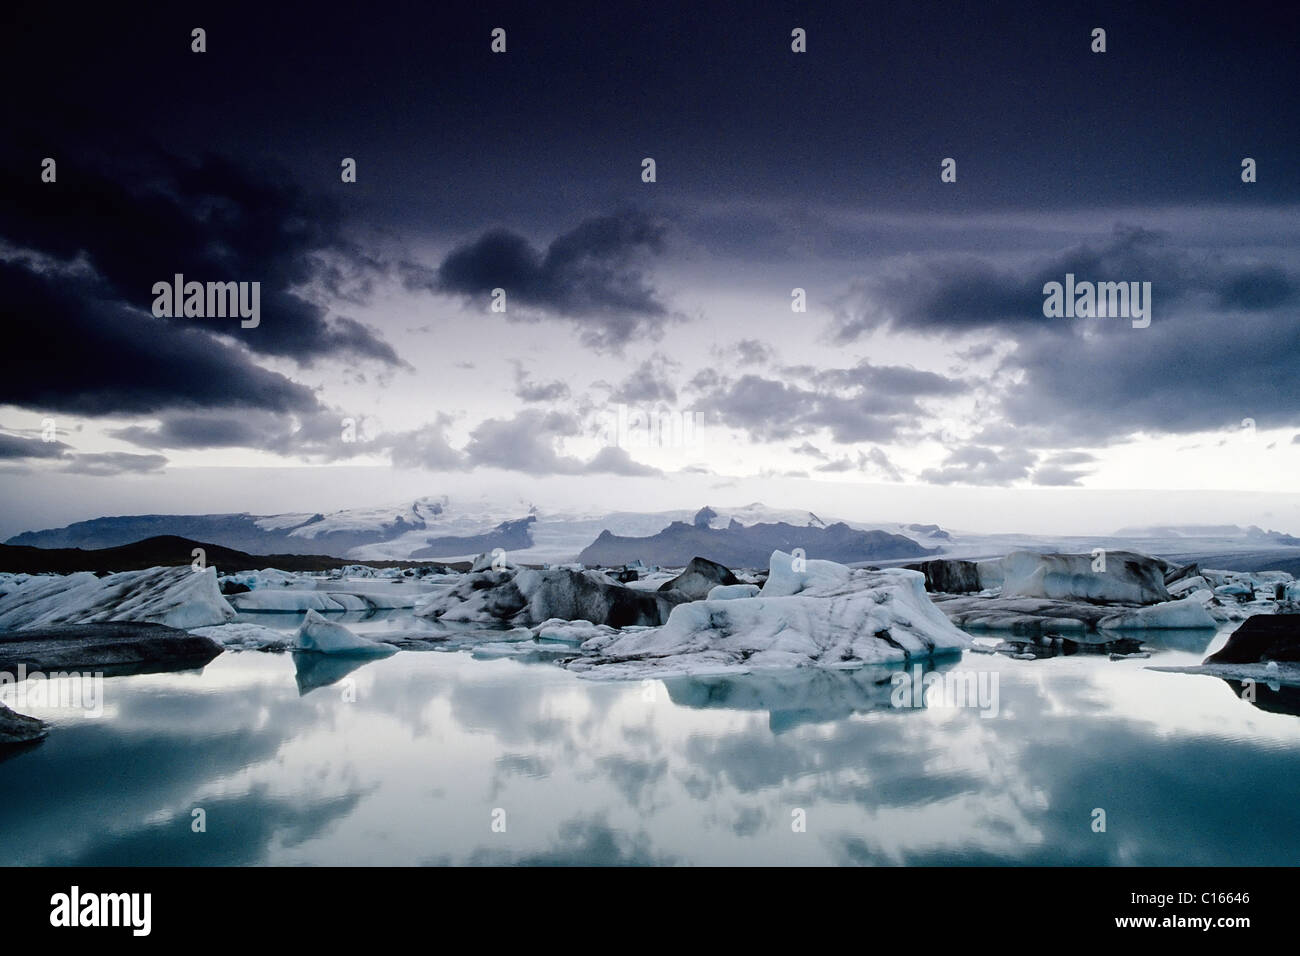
(453, 757)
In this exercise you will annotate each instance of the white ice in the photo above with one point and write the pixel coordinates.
(809, 613)
(179, 597)
(326, 637)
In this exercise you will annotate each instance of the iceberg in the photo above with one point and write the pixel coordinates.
(698, 578)
(288, 600)
(333, 600)
(1186, 586)
(178, 597)
(1189, 612)
(1125, 577)
(570, 632)
(266, 578)
(530, 597)
(326, 637)
(729, 592)
(808, 613)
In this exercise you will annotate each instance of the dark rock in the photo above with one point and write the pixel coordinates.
(704, 516)
(234, 587)
(698, 578)
(949, 575)
(19, 728)
(105, 646)
(1263, 637)
(625, 575)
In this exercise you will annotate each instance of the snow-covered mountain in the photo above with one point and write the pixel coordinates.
(305, 533)
(432, 527)
(444, 528)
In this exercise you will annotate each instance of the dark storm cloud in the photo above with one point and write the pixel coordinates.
(950, 295)
(86, 352)
(1193, 373)
(862, 403)
(142, 220)
(460, 136)
(965, 294)
(324, 434)
(588, 276)
(198, 431)
(1223, 342)
(978, 465)
(16, 447)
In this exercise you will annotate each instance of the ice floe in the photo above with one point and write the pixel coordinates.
(304, 593)
(243, 636)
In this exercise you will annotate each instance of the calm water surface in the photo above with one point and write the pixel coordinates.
(437, 746)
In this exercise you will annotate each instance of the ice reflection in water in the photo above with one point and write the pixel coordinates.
(704, 770)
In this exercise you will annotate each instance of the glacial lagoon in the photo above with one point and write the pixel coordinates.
(468, 757)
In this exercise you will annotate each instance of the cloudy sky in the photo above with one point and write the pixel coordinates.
(922, 378)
